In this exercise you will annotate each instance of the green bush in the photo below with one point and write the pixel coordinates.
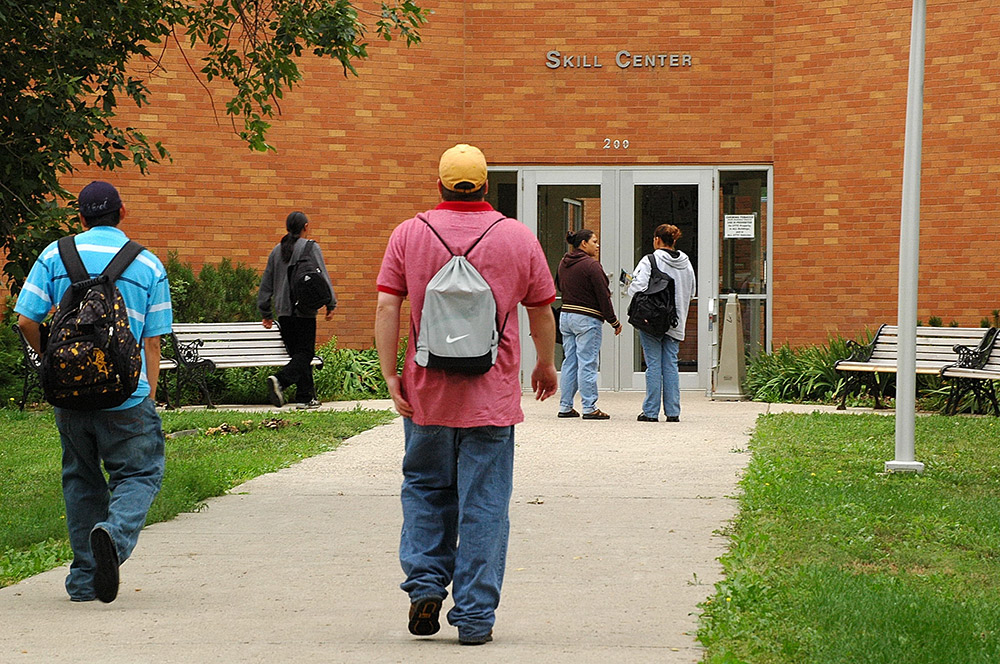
(11, 359)
(219, 294)
(801, 374)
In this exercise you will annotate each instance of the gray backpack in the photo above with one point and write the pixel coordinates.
(458, 323)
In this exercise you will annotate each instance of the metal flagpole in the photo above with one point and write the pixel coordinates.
(909, 253)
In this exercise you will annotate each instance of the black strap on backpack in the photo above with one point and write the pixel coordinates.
(298, 251)
(655, 271)
(467, 251)
(654, 268)
(80, 279)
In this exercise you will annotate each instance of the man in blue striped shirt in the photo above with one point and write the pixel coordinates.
(104, 517)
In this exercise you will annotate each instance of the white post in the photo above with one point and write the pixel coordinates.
(732, 369)
(909, 253)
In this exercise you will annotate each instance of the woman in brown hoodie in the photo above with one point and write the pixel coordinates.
(586, 304)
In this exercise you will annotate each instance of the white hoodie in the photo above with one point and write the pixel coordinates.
(678, 266)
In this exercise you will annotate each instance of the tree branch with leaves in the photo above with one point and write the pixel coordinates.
(65, 67)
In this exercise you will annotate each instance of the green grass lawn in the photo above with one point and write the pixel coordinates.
(201, 465)
(834, 560)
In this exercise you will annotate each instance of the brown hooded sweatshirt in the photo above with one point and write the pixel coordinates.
(584, 287)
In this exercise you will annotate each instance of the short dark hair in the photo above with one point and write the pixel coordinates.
(109, 219)
(464, 196)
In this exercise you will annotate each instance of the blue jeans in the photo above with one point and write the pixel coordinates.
(130, 444)
(661, 375)
(456, 492)
(582, 350)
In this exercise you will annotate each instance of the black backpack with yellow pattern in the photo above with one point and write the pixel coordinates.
(90, 359)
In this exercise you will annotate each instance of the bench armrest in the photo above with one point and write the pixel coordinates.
(186, 354)
(31, 359)
(862, 352)
(976, 358)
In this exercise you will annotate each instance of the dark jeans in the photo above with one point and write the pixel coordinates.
(299, 335)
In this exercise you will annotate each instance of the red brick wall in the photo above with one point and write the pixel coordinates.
(840, 103)
(816, 87)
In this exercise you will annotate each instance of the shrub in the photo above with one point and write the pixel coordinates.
(802, 374)
(352, 374)
(11, 358)
(219, 294)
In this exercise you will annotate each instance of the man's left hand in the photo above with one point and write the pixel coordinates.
(544, 381)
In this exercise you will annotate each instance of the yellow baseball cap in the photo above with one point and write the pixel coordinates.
(462, 168)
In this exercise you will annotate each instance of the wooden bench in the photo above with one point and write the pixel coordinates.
(936, 348)
(975, 371)
(200, 348)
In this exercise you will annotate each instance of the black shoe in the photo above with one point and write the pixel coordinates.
(312, 404)
(106, 559)
(569, 413)
(274, 392)
(596, 415)
(424, 616)
(673, 418)
(643, 418)
(476, 640)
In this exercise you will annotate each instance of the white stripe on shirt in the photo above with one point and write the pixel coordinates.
(35, 290)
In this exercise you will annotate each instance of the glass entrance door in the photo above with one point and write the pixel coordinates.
(554, 203)
(682, 198)
(624, 206)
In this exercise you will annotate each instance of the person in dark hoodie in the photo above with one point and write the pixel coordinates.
(297, 327)
(662, 377)
(586, 304)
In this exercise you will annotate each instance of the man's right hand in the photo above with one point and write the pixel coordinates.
(267, 322)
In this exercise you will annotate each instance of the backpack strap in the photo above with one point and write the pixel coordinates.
(652, 264)
(479, 239)
(466, 254)
(434, 230)
(71, 260)
(80, 279)
(121, 261)
(298, 251)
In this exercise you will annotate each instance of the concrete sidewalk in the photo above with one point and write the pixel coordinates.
(613, 544)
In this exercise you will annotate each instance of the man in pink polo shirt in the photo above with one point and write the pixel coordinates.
(459, 429)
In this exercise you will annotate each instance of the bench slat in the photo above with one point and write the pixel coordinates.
(926, 331)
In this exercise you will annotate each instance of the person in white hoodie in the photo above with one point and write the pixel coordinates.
(662, 379)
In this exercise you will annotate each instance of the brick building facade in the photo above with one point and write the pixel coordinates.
(809, 95)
